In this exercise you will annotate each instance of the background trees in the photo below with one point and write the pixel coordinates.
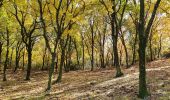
(82, 34)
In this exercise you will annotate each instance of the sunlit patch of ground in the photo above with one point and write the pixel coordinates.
(96, 85)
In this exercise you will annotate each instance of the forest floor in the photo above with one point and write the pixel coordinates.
(86, 85)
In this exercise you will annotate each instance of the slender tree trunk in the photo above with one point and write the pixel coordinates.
(126, 52)
(44, 55)
(7, 59)
(56, 63)
(92, 54)
(120, 58)
(160, 46)
(134, 47)
(17, 59)
(107, 59)
(102, 63)
(77, 53)
(29, 51)
(11, 58)
(0, 55)
(18, 51)
(83, 59)
(23, 59)
(61, 66)
(6, 63)
(92, 46)
(69, 55)
(150, 47)
(83, 55)
(51, 71)
(63, 47)
(115, 31)
(116, 59)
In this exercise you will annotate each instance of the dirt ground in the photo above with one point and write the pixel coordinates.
(86, 85)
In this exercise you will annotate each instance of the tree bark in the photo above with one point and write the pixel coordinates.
(92, 44)
(160, 46)
(51, 70)
(63, 47)
(44, 55)
(7, 54)
(61, 66)
(126, 51)
(143, 38)
(115, 31)
(69, 53)
(29, 51)
(134, 47)
(150, 47)
(83, 55)
(0, 55)
(10, 64)
(142, 48)
(17, 59)
(23, 59)
(77, 53)
(115, 50)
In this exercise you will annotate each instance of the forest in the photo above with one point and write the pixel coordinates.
(84, 49)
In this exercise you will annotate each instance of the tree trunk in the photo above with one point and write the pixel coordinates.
(102, 63)
(29, 51)
(92, 55)
(6, 63)
(10, 64)
(134, 47)
(160, 46)
(143, 38)
(23, 59)
(116, 59)
(142, 75)
(142, 48)
(83, 55)
(0, 55)
(120, 58)
(150, 47)
(69, 55)
(17, 59)
(115, 31)
(51, 71)
(44, 55)
(77, 53)
(61, 66)
(91, 23)
(7, 54)
(126, 52)
(83, 60)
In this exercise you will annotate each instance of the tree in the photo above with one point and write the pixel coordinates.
(63, 45)
(1, 44)
(116, 24)
(143, 38)
(102, 39)
(7, 55)
(18, 49)
(28, 36)
(65, 14)
(91, 22)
